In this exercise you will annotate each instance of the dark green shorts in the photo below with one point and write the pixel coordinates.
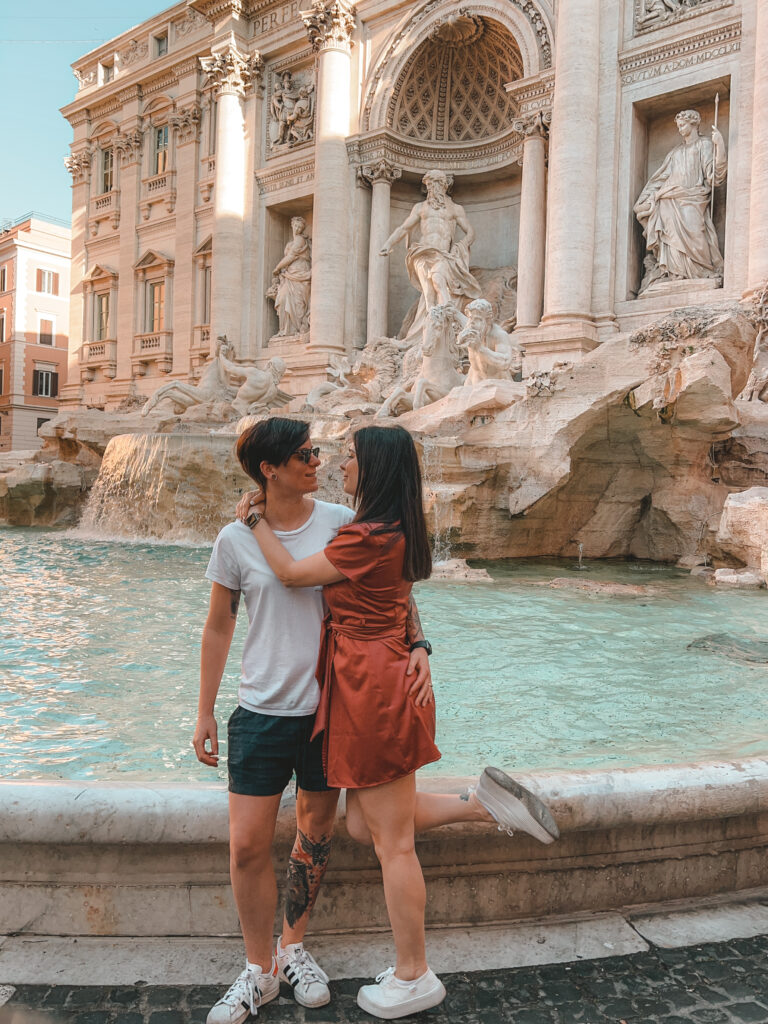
(265, 750)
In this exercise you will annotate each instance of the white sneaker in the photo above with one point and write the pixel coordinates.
(251, 990)
(390, 998)
(514, 807)
(299, 968)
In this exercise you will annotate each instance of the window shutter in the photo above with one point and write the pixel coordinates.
(39, 287)
(54, 385)
(55, 284)
(36, 381)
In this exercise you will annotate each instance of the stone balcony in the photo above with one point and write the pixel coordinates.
(104, 209)
(98, 355)
(155, 347)
(207, 178)
(200, 348)
(160, 189)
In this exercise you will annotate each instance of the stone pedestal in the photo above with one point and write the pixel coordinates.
(233, 73)
(380, 175)
(329, 25)
(533, 223)
(572, 191)
(758, 208)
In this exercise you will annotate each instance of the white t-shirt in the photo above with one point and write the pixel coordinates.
(281, 648)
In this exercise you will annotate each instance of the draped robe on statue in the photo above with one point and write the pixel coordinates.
(678, 227)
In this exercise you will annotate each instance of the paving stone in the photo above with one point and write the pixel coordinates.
(751, 1012)
(710, 1016)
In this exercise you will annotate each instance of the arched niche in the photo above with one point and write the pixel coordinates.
(520, 26)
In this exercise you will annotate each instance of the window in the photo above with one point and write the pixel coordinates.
(45, 334)
(2, 327)
(161, 45)
(41, 420)
(2, 379)
(206, 295)
(107, 73)
(161, 150)
(45, 383)
(101, 317)
(48, 282)
(3, 279)
(155, 305)
(107, 170)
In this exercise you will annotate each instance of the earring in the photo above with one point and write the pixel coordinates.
(274, 476)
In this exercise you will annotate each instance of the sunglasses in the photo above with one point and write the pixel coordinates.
(305, 454)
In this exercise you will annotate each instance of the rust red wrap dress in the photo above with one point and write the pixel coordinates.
(374, 733)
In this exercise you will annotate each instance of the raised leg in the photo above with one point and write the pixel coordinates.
(431, 811)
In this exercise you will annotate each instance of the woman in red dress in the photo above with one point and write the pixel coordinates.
(378, 729)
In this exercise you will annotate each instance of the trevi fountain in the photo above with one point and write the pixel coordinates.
(533, 233)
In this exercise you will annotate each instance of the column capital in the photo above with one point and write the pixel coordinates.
(329, 24)
(379, 170)
(79, 165)
(232, 71)
(187, 123)
(534, 125)
(128, 145)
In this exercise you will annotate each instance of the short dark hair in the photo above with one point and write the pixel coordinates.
(389, 491)
(273, 440)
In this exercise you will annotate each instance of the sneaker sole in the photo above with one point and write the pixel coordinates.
(303, 1002)
(415, 1005)
(538, 811)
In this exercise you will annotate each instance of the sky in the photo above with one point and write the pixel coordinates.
(38, 43)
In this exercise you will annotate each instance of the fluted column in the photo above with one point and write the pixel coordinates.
(572, 185)
(380, 175)
(758, 206)
(329, 25)
(532, 235)
(233, 73)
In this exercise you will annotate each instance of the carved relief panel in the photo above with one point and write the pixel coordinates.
(651, 14)
(291, 108)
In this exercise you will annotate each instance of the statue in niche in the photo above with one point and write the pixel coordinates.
(291, 107)
(674, 208)
(492, 353)
(291, 282)
(438, 264)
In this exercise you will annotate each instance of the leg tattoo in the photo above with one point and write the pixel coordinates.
(306, 867)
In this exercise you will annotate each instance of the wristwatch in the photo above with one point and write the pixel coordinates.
(253, 518)
(422, 643)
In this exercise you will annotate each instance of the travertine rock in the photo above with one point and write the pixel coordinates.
(745, 579)
(743, 529)
(44, 493)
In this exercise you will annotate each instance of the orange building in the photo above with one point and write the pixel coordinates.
(34, 326)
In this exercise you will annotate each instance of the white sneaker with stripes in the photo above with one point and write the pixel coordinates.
(252, 988)
(299, 969)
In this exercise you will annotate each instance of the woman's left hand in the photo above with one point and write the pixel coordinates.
(421, 687)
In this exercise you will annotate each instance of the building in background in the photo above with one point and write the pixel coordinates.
(34, 326)
(205, 135)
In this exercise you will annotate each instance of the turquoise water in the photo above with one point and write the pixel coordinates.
(100, 644)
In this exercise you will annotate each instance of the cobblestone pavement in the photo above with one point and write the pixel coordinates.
(717, 983)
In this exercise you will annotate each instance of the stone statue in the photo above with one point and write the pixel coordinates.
(213, 385)
(291, 279)
(756, 389)
(441, 359)
(654, 12)
(492, 353)
(438, 264)
(281, 106)
(259, 391)
(300, 120)
(674, 208)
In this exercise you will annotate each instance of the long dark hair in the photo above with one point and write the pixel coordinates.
(389, 492)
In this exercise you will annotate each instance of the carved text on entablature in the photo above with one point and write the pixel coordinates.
(286, 177)
(271, 19)
(680, 53)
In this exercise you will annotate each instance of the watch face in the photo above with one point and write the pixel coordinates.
(252, 519)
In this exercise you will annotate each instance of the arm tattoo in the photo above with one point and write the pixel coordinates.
(306, 867)
(234, 603)
(413, 631)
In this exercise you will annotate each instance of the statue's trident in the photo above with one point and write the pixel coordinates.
(714, 159)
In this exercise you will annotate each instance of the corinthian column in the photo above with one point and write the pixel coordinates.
(572, 186)
(329, 25)
(758, 206)
(532, 235)
(380, 175)
(233, 73)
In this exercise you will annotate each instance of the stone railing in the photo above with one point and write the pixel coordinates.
(105, 207)
(160, 188)
(153, 347)
(207, 178)
(98, 355)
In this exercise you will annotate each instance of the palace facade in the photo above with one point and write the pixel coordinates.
(223, 138)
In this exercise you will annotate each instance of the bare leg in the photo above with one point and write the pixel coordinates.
(388, 811)
(431, 811)
(315, 815)
(251, 831)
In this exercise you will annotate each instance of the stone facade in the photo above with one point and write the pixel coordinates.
(202, 133)
(34, 327)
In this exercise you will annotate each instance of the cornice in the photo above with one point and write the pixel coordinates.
(287, 176)
(501, 151)
(534, 93)
(663, 58)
